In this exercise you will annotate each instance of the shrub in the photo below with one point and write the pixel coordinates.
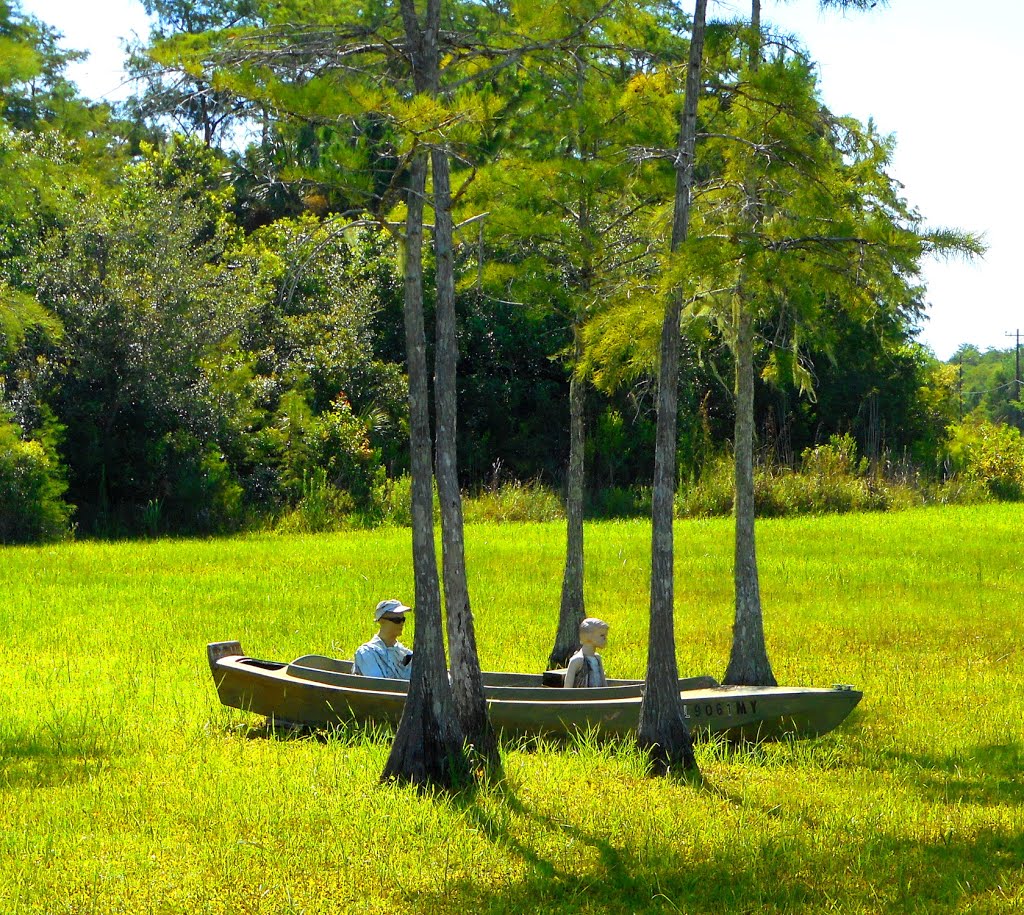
(201, 492)
(959, 490)
(712, 494)
(991, 454)
(832, 479)
(621, 502)
(339, 444)
(513, 502)
(836, 460)
(334, 447)
(393, 502)
(323, 507)
(31, 488)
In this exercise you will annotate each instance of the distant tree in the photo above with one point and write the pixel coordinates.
(33, 87)
(36, 96)
(987, 383)
(566, 214)
(188, 100)
(137, 279)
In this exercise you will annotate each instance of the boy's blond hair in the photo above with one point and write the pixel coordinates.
(592, 623)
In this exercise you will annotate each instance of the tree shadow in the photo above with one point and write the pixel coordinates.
(349, 733)
(881, 872)
(987, 774)
(46, 759)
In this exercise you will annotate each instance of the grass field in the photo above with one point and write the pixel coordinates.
(126, 787)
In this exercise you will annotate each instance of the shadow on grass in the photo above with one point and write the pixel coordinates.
(48, 757)
(874, 872)
(985, 774)
(349, 733)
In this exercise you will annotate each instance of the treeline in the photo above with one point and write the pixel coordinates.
(200, 289)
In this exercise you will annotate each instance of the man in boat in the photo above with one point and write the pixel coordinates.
(585, 667)
(384, 655)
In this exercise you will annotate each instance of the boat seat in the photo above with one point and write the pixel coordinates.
(322, 662)
(555, 678)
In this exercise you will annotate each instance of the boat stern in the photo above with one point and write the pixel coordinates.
(217, 650)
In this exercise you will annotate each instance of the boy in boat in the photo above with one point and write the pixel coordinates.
(585, 667)
(384, 655)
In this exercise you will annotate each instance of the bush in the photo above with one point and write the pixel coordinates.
(991, 454)
(202, 495)
(712, 494)
(512, 502)
(31, 488)
(339, 444)
(323, 507)
(333, 447)
(621, 502)
(393, 502)
(832, 479)
(959, 490)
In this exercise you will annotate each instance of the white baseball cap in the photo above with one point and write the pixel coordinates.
(392, 607)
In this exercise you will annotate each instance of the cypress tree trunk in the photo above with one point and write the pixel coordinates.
(467, 678)
(571, 611)
(428, 748)
(748, 659)
(663, 731)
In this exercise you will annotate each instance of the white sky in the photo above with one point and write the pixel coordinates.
(940, 74)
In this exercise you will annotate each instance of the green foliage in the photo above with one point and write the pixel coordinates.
(394, 497)
(20, 317)
(985, 384)
(221, 334)
(202, 493)
(140, 282)
(991, 454)
(333, 446)
(832, 479)
(513, 502)
(32, 485)
(170, 92)
(621, 502)
(322, 507)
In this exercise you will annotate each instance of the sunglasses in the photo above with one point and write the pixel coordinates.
(394, 619)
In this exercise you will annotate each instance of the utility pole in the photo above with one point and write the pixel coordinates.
(960, 385)
(1016, 387)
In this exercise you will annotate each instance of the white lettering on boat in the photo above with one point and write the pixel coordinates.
(718, 709)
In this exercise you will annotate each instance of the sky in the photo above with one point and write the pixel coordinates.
(936, 73)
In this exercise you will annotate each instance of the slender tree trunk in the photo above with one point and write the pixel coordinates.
(663, 731)
(748, 659)
(467, 678)
(571, 611)
(428, 750)
(755, 29)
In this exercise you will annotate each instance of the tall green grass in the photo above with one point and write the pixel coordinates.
(126, 787)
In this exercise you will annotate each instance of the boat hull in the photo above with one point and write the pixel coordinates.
(290, 693)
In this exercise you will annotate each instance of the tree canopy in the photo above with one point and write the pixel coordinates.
(200, 293)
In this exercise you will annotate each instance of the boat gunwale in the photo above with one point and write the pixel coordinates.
(584, 696)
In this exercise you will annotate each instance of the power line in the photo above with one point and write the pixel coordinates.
(1020, 415)
(1001, 387)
